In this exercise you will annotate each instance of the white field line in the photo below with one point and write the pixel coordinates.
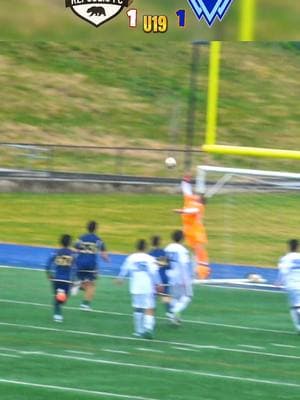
(24, 352)
(209, 281)
(116, 351)
(252, 289)
(258, 353)
(26, 268)
(8, 349)
(172, 370)
(183, 348)
(84, 353)
(180, 344)
(9, 355)
(248, 346)
(288, 346)
(149, 350)
(199, 322)
(65, 307)
(74, 390)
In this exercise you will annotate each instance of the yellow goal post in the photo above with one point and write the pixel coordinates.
(210, 143)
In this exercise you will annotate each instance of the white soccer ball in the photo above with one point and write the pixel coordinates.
(256, 278)
(170, 162)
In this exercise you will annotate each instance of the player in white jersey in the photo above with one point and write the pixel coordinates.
(144, 281)
(289, 277)
(180, 276)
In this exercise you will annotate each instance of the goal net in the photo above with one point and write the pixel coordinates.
(250, 214)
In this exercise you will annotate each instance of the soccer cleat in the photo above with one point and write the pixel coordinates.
(137, 334)
(58, 318)
(148, 335)
(169, 315)
(175, 319)
(85, 307)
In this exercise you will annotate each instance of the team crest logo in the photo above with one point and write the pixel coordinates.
(96, 12)
(210, 9)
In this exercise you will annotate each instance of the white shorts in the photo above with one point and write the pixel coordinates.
(294, 297)
(179, 290)
(144, 301)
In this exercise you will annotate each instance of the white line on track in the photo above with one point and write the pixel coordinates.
(247, 328)
(74, 390)
(172, 370)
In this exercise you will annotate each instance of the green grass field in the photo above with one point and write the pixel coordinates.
(232, 344)
(242, 228)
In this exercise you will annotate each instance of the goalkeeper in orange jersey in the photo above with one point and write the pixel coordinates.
(194, 231)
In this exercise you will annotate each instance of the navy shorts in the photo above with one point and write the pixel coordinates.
(61, 285)
(164, 280)
(87, 276)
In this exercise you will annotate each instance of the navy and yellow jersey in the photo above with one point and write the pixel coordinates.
(61, 265)
(88, 246)
(161, 257)
(163, 263)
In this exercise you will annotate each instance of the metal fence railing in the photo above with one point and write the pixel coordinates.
(135, 161)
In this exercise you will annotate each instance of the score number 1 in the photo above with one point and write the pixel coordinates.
(181, 18)
(132, 15)
(159, 21)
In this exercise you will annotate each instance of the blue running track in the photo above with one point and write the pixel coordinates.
(12, 255)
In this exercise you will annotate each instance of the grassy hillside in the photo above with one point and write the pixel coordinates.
(137, 95)
(42, 19)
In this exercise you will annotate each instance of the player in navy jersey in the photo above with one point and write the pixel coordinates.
(161, 258)
(88, 247)
(60, 270)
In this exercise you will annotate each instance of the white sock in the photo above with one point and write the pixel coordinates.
(181, 304)
(138, 322)
(174, 305)
(149, 322)
(295, 314)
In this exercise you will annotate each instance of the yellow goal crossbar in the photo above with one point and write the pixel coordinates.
(251, 151)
